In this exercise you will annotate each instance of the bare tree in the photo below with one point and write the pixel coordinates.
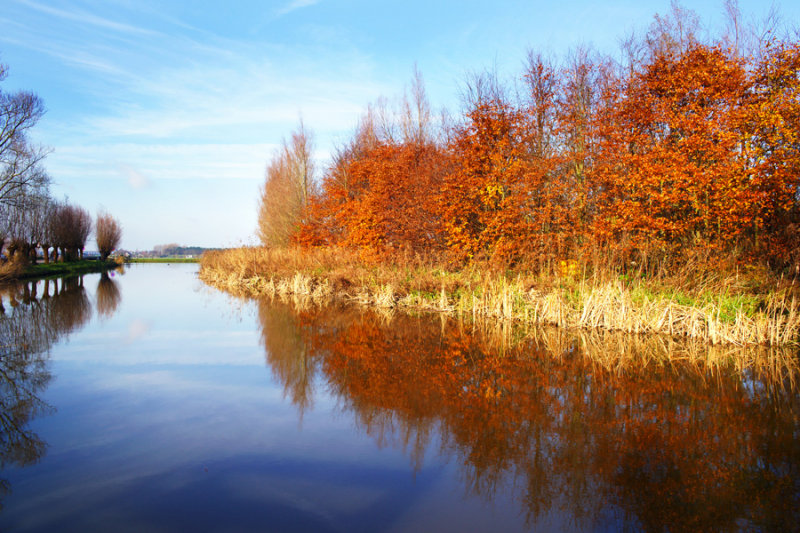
(416, 116)
(71, 228)
(20, 161)
(481, 88)
(108, 233)
(82, 229)
(674, 32)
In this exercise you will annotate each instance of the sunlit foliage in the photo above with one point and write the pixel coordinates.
(686, 146)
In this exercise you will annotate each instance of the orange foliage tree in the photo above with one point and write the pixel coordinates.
(772, 148)
(487, 201)
(690, 146)
(673, 172)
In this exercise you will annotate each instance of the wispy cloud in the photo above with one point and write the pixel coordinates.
(84, 18)
(142, 164)
(136, 179)
(295, 5)
(151, 110)
(201, 90)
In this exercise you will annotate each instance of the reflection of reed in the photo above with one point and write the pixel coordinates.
(673, 435)
(108, 296)
(37, 315)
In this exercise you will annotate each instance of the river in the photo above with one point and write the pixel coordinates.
(147, 401)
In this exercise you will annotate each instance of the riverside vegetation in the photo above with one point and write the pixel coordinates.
(719, 309)
(32, 221)
(657, 193)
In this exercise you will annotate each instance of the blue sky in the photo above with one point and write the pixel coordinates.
(166, 115)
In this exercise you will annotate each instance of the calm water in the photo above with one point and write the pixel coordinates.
(149, 402)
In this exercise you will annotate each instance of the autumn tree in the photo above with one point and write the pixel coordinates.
(481, 197)
(686, 144)
(377, 196)
(328, 211)
(286, 190)
(108, 233)
(771, 148)
(673, 175)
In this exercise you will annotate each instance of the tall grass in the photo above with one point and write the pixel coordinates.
(11, 270)
(734, 308)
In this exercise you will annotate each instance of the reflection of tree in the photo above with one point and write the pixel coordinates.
(663, 444)
(108, 296)
(287, 354)
(37, 315)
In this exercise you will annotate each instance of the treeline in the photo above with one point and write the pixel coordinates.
(687, 144)
(30, 218)
(176, 250)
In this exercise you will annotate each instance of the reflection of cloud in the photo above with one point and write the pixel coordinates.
(136, 179)
(137, 329)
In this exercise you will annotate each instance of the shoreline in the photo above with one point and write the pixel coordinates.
(83, 266)
(577, 303)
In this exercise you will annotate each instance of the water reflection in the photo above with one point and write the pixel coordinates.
(33, 316)
(610, 431)
(108, 295)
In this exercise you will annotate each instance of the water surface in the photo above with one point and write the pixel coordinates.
(150, 402)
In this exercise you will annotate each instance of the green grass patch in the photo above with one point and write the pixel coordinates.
(45, 270)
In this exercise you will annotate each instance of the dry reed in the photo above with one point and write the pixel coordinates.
(600, 301)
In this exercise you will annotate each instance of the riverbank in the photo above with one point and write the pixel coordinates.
(85, 266)
(737, 309)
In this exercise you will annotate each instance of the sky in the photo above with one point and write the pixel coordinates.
(165, 114)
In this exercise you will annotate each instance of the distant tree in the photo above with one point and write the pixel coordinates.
(108, 232)
(164, 250)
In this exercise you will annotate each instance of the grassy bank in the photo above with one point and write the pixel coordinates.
(44, 270)
(737, 308)
(163, 260)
